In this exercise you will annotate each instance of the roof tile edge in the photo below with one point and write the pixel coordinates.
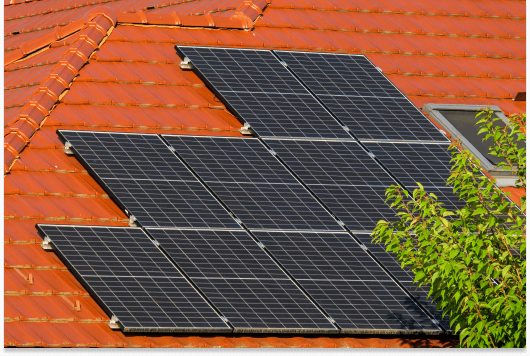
(96, 25)
(243, 18)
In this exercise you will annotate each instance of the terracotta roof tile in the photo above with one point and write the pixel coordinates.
(132, 83)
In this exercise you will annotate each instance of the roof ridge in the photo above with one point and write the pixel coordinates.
(243, 18)
(96, 26)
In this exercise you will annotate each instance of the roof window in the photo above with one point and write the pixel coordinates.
(460, 122)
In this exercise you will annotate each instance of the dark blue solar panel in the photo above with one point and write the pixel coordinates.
(360, 96)
(132, 279)
(242, 281)
(148, 180)
(262, 92)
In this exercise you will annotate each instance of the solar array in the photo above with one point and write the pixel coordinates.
(255, 228)
(405, 277)
(148, 180)
(343, 176)
(242, 281)
(349, 285)
(260, 198)
(262, 92)
(361, 97)
(132, 279)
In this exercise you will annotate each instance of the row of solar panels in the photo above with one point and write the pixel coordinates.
(191, 182)
(309, 94)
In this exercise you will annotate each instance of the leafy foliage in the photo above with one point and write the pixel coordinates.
(474, 258)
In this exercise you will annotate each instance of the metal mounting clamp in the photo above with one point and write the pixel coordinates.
(186, 64)
(246, 130)
(68, 148)
(113, 323)
(132, 220)
(46, 244)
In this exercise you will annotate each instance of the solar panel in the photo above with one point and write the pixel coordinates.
(230, 159)
(274, 206)
(360, 96)
(339, 74)
(148, 180)
(404, 276)
(262, 92)
(428, 164)
(368, 306)
(377, 118)
(359, 207)
(330, 162)
(250, 70)
(343, 279)
(252, 183)
(332, 255)
(132, 279)
(242, 281)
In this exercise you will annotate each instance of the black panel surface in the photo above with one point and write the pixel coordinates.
(428, 164)
(330, 162)
(351, 287)
(285, 115)
(242, 281)
(379, 118)
(132, 279)
(262, 92)
(359, 207)
(148, 180)
(250, 70)
(274, 206)
(339, 74)
(335, 256)
(244, 160)
(404, 276)
(360, 96)
(370, 305)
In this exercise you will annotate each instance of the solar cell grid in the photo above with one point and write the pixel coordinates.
(428, 164)
(317, 256)
(368, 305)
(404, 276)
(378, 118)
(285, 115)
(127, 156)
(359, 207)
(217, 254)
(339, 74)
(148, 180)
(171, 204)
(274, 206)
(241, 280)
(330, 162)
(230, 159)
(132, 279)
(232, 69)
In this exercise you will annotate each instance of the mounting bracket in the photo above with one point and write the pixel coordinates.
(246, 130)
(113, 323)
(186, 64)
(68, 148)
(46, 244)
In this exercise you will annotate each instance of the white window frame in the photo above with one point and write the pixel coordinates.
(504, 178)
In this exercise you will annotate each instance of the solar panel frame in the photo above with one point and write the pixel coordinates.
(242, 281)
(118, 265)
(359, 80)
(132, 195)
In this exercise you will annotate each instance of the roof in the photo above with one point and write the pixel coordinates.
(82, 66)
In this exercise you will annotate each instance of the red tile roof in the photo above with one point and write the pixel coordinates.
(77, 65)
